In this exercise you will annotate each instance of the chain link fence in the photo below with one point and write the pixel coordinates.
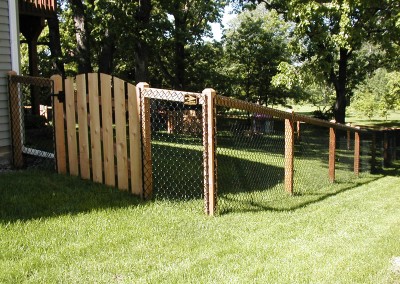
(31, 119)
(262, 158)
(173, 145)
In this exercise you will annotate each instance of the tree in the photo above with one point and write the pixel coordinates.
(190, 21)
(378, 94)
(328, 34)
(254, 46)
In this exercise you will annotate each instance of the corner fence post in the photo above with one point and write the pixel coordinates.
(357, 153)
(16, 121)
(332, 153)
(59, 128)
(146, 142)
(210, 161)
(289, 150)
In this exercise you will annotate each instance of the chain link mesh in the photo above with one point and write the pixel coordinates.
(250, 155)
(31, 122)
(176, 145)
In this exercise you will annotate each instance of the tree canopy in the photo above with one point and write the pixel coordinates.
(272, 49)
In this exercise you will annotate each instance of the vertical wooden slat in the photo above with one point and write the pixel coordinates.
(120, 140)
(211, 147)
(16, 122)
(332, 153)
(135, 141)
(71, 127)
(59, 126)
(356, 153)
(83, 126)
(108, 132)
(95, 135)
(289, 155)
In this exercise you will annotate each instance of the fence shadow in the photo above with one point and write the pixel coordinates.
(27, 195)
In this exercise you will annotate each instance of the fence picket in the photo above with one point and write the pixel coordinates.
(83, 126)
(59, 127)
(71, 127)
(108, 133)
(95, 127)
(120, 125)
(135, 140)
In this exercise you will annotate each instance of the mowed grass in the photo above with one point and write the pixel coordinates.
(59, 229)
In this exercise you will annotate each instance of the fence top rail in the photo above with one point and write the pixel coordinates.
(36, 81)
(172, 95)
(252, 107)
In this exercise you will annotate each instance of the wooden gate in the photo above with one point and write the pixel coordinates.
(97, 130)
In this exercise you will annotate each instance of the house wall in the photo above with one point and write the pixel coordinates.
(5, 66)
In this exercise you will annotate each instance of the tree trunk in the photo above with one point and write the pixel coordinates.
(141, 47)
(180, 67)
(82, 33)
(340, 86)
(106, 56)
(55, 45)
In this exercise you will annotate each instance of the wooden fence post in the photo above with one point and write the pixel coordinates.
(289, 154)
(146, 142)
(135, 141)
(356, 153)
(59, 126)
(16, 122)
(386, 159)
(373, 152)
(332, 153)
(210, 169)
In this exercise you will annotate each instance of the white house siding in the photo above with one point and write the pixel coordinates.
(5, 66)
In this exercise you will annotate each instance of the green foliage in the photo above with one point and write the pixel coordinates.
(254, 46)
(378, 94)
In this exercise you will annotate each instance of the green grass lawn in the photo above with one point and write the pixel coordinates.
(59, 229)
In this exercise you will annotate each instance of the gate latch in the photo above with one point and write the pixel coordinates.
(60, 96)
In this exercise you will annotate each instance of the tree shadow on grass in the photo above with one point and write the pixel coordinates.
(27, 195)
(295, 202)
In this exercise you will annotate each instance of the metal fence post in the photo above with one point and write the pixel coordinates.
(146, 142)
(289, 150)
(16, 121)
(332, 153)
(209, 141)
(356, 153)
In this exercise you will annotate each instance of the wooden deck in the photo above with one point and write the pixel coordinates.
(38, 8)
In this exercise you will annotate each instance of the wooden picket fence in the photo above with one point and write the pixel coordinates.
(94, 139)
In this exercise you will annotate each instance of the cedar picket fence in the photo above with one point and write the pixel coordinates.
(95, 104)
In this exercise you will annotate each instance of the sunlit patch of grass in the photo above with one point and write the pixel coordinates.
(59, 229)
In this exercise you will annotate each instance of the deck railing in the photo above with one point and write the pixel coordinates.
(42, 8)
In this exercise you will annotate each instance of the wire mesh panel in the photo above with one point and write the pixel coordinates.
(31, 115)
(250, 155)
(176, 139)
(311, 159)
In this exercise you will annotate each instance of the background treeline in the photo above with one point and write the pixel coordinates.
(324, 52)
